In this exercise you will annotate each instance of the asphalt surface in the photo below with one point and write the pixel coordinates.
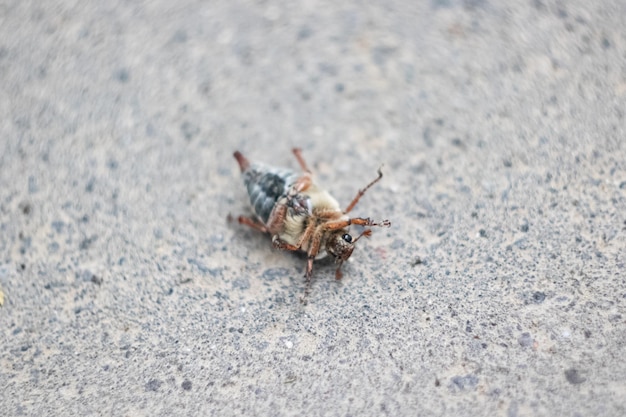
(499, 289)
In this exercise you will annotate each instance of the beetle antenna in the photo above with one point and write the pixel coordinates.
(366, 233)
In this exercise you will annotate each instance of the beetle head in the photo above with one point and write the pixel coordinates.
(340, 245)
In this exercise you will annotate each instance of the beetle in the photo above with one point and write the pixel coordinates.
(299, 214)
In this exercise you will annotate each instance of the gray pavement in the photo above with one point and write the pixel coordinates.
(499, 289)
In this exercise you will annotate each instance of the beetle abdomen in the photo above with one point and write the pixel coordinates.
(266, 186)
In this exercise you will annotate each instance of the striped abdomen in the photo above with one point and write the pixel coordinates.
(266, 186)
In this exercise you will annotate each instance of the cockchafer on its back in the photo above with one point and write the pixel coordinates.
(299, 215)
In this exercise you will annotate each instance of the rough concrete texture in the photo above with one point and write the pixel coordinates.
(499, 289)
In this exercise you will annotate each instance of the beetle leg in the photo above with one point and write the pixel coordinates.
(307, 284)
(298, 202)
(361, 192)
(338, 273)
(300, 185)
(340, 224)
(252, 223)
(306, 235)
(277, 218)
(278, 243)
(298, 153)
(314, 248)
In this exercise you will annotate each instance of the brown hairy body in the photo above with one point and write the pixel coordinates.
(299, 215)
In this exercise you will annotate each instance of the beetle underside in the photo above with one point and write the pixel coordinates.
(299, 215)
